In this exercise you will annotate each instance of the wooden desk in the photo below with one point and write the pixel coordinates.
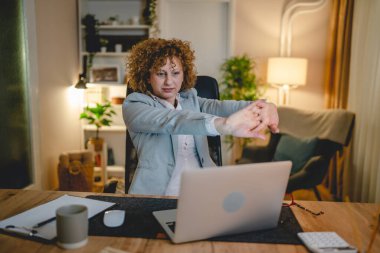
(353, 221)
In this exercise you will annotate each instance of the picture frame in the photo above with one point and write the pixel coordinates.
(105, 74)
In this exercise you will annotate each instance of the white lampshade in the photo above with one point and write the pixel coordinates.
(287, 70)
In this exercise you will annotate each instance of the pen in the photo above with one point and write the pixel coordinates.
(42, 223)
(15, 229)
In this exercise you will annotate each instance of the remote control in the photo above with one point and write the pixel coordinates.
(325, 242)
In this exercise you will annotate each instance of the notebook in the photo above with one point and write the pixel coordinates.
(226, 200)
(39, 222)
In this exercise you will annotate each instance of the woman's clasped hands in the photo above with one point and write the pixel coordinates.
(250, 121)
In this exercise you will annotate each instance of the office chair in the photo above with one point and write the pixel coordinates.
(330, 131)
(207, 87)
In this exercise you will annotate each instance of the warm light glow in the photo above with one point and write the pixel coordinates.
(287, 70)
(75, 96)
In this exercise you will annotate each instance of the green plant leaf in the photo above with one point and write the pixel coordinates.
(99, 115)
(239, 82)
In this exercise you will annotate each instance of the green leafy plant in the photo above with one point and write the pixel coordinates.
(239, 82)
(91, 33)
(113, 19)
(91, 36)
(150, 17)
(99, 115)
(103, 42)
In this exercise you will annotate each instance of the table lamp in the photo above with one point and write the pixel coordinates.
(286, 73)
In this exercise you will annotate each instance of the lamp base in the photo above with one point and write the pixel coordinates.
(283, 95)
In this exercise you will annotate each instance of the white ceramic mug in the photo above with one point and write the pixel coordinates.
(72, 226)
(118, 48)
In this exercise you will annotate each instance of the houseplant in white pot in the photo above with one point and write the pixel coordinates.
(103, 45)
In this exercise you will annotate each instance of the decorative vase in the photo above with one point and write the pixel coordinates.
(97, 143)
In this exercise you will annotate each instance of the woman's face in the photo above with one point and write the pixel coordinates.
(167, 80)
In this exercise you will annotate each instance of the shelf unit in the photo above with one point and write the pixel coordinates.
(114, 136)
(127, 31)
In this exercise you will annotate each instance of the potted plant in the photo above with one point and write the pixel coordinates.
(91, 30)
(99, 115)
(150, 17)
(239, 82)
(103, 45)
(113, 20)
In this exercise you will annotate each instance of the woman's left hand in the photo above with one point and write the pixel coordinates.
(268, 116)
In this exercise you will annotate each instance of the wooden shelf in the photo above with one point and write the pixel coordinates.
(107, 54)
(116, 128)
(121, 27)
(112, 171)
(106, 84)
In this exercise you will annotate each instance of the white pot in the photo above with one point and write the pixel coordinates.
(135, 20)
(103, 49)
(118, 48)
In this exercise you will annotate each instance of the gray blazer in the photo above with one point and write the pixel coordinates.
(154, 129)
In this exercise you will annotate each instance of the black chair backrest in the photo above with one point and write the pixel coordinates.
(207, 87)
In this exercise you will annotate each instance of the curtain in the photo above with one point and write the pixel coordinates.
(15, 137)
(364, 100)
(337, 84)
(338, 56)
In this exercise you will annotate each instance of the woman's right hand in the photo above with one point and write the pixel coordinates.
(243, 123)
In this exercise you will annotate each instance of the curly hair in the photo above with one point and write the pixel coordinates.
(151, 54)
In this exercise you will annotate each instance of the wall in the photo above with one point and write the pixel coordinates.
(257, 33)
(58, 67)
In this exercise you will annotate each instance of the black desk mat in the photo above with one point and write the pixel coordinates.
(139, 222)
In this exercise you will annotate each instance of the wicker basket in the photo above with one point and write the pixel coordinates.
(76, 171)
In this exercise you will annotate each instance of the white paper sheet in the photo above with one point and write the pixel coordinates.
(40, 213)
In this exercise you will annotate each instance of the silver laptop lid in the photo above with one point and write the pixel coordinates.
(230, 199)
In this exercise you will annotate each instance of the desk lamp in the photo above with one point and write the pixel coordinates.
(81, 84)
(286, 73)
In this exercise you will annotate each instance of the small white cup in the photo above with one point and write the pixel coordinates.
(118, 48)
(72, 226)
(135, 20)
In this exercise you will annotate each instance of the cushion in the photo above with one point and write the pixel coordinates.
(299, 151)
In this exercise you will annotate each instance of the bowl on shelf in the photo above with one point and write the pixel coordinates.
(117, 100)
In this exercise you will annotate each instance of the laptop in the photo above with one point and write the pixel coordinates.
(226, 200)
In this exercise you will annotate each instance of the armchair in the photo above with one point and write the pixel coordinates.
(310, 139)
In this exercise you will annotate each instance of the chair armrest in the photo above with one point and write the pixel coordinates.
(257, 154)
(310, 175)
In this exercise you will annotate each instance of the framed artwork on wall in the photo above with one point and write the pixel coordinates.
(105, 74)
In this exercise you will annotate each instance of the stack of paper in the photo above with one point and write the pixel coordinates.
(26, 223)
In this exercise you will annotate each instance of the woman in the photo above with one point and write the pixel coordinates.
(169, 123)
